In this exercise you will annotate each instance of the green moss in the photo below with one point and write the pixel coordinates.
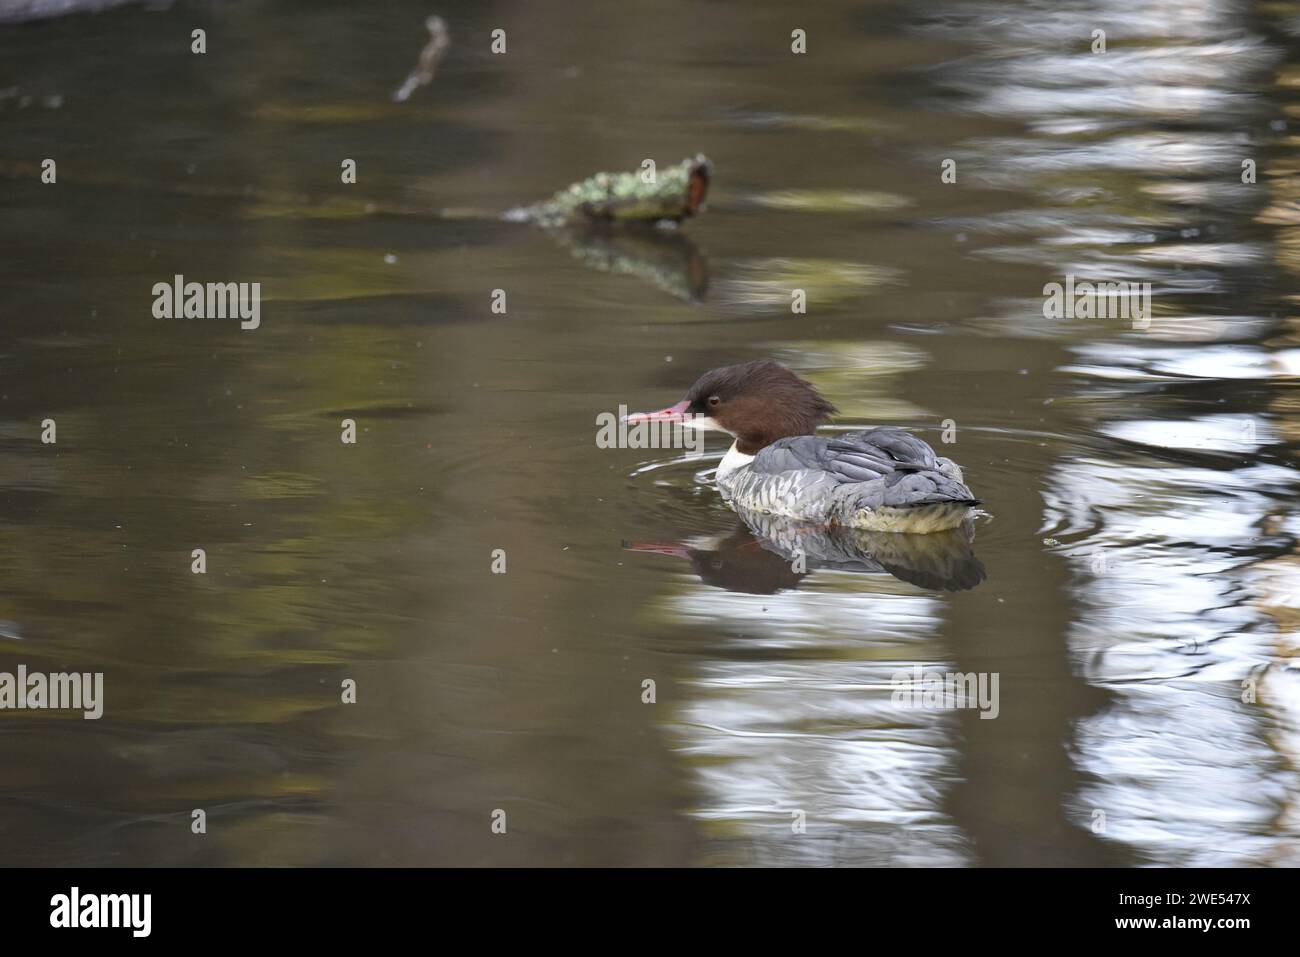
(674, 194)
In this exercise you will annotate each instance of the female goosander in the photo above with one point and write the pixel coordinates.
(883, 479)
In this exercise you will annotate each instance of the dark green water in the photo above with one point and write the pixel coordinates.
(1140, 541)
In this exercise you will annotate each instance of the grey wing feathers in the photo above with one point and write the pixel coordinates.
(895, 448)
(788, 455)
(851, 457)
(913, 474)
(902, 468)
(875, 454)
(927, 487)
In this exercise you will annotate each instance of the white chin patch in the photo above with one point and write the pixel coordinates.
(704, 423)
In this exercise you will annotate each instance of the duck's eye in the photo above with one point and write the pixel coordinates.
(714, 402)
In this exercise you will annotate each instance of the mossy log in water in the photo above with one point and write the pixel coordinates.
(670, 195)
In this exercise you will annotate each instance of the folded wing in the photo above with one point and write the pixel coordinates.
(897, 468)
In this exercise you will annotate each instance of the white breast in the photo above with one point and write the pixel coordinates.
(733, 460)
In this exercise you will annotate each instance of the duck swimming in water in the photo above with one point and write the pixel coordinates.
(883, 479)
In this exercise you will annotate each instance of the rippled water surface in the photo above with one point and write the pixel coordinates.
(1134, 580)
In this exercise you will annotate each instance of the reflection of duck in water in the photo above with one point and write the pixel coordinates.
(765, 554)
(883, 479)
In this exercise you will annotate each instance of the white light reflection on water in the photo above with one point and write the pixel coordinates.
(794, 711)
